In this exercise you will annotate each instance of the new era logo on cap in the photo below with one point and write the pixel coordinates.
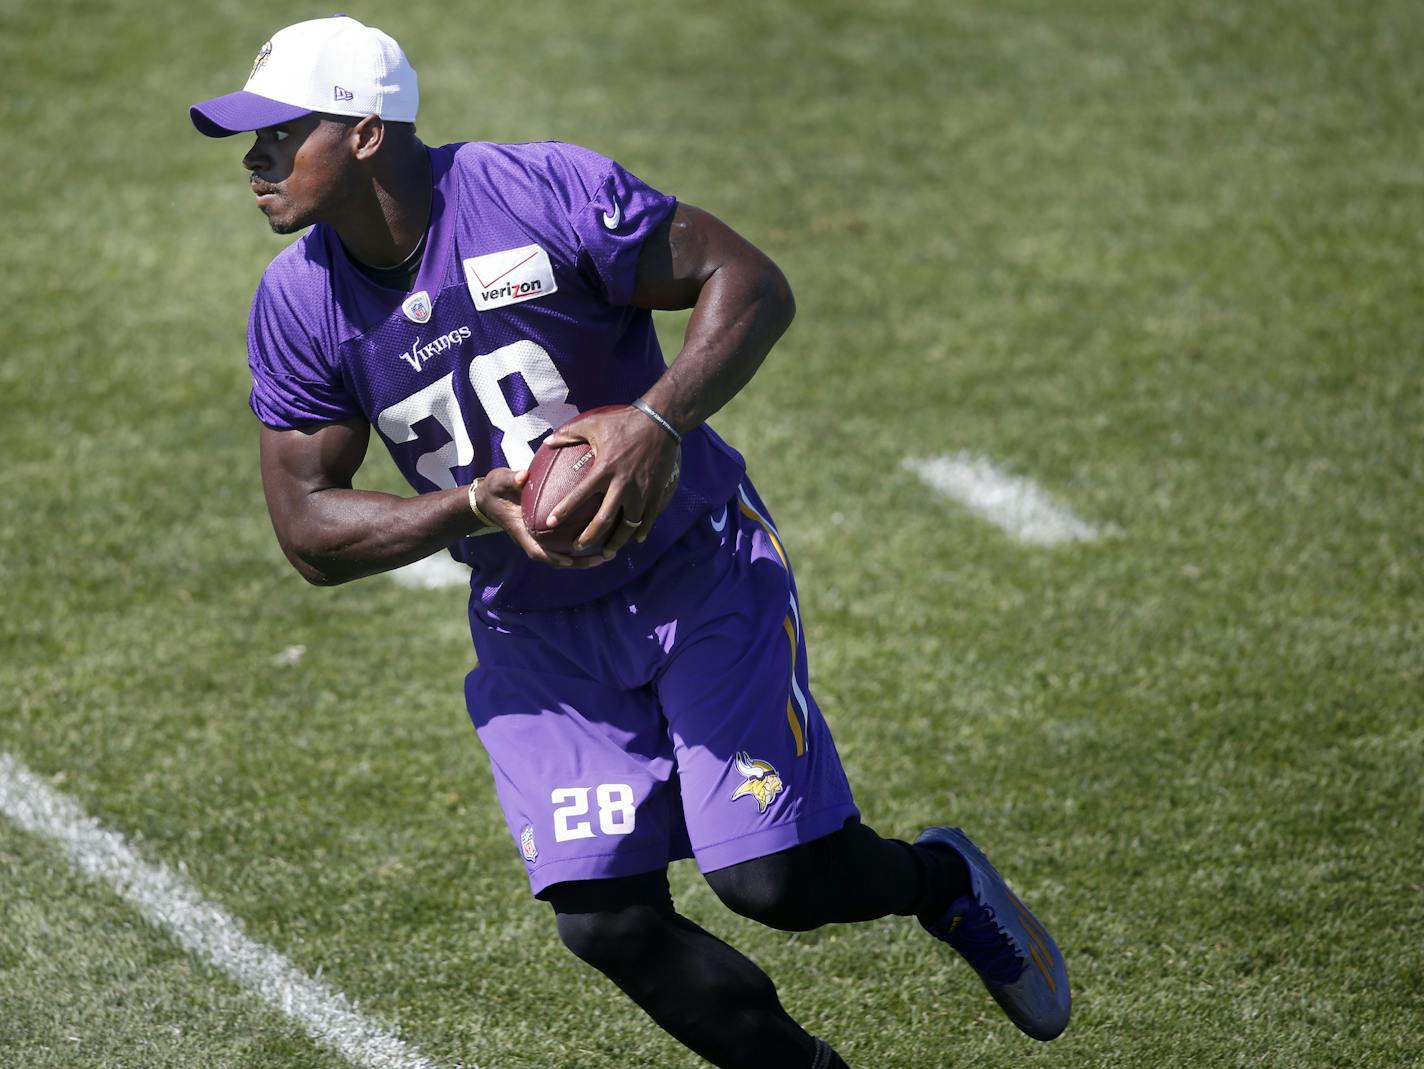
(365, 68)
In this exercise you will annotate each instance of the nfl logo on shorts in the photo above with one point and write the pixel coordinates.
(526, 844)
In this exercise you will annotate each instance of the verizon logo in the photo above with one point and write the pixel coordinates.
(509, 276)
(516, 290)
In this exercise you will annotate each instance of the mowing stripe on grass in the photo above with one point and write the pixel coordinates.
(432, 573)
(1010, 502)
(171, 903)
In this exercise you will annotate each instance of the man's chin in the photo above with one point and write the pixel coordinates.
(284, 224)
(287, 225)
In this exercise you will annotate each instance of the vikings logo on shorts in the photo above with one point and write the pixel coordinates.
(762, 782)
(526, 844)
(262, 54)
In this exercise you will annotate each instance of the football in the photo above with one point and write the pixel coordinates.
(553, 475)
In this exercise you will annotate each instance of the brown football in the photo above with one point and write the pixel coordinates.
(553, 475)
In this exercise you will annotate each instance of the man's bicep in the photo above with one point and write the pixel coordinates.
(687, 250)
(674, 261)
(298, 463)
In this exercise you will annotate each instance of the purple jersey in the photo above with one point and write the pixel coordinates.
(518, 320)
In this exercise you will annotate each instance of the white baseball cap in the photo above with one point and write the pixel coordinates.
(336, 65)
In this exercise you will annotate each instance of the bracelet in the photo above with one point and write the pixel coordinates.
(657, 417)
(474, 504)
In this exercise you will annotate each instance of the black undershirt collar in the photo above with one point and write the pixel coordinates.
(402, 275)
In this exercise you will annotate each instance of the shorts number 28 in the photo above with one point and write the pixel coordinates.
(615, 811)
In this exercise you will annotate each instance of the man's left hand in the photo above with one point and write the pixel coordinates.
(637, 473)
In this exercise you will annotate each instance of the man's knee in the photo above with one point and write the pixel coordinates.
(612, 941)
(611, 923)
(780, 890)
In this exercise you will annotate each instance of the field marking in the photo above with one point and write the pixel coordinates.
(1010, 502)
(433, 573)
(290, 656)
(170, 902)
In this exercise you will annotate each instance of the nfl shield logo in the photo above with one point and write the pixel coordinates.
(526, 844)
(417, 307)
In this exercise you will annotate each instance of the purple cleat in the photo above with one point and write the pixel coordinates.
(1010, 950)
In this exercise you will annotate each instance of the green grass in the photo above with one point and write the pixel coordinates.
(1163, 258)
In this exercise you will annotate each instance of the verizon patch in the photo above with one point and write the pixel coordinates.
(508, 277)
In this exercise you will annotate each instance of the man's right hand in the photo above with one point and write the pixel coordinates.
(498, 499)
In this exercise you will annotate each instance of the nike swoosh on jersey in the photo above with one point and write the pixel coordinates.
(719, 522)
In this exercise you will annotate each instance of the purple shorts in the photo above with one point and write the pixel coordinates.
(670, 719)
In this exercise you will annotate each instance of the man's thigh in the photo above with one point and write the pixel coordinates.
(758, 768)
(584, 772)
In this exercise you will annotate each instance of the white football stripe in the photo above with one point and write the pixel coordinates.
(1010, 502)
(432, 573)
(201, 928)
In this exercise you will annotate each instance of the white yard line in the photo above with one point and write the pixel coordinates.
(1010, 502)
(171, 903)
(432, 573)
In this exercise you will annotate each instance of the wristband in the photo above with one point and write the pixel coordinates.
(657, 417)
(474, 504)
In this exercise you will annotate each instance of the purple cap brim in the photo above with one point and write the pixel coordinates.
(239, 112)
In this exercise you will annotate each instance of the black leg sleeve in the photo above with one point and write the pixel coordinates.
(826, 1058)
(705, 994)
(850, 875)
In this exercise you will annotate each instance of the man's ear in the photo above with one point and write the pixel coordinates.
(369, 135)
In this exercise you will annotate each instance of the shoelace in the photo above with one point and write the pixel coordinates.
(983, 942)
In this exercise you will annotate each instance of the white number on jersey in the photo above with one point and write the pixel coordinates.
(534, 365)
(529, 361)
(438, 399)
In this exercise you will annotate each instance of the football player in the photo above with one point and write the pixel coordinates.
(645, 703)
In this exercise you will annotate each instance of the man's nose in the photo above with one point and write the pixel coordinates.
(255, 157)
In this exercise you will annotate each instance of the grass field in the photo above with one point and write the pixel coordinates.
(1165, 259)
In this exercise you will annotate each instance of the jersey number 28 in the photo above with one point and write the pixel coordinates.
(527, 359)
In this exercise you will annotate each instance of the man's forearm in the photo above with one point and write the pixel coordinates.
(738, 317)
(741, 304)
(346, 534)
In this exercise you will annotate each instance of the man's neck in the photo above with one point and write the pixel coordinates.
(385, 228)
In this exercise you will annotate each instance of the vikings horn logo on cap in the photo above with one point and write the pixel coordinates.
(262, 54)
(762, 781)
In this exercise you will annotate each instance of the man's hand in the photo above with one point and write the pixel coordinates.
(637, 473)
(498, 499)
